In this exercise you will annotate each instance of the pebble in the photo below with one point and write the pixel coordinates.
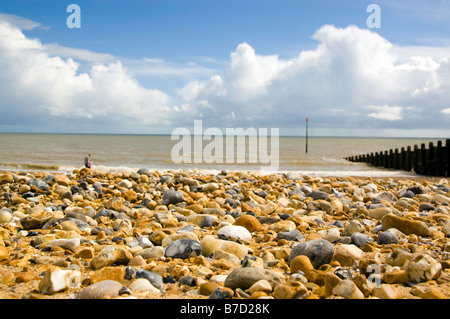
(406, 226)
(4, 253)
(423, 267)
(248, 221)
(210, 245)
(172, 197)
(142, 284)
(5, 216)
(245, 277)
(346, 254)
(151, 252)
(294, 235)
(387, 237)
(347, 289)
(319, 251)
(353, 226)
(100, 290)
(57, 279)
(183, 248)
(425, 291)
(331, 234)
(70, 244)
(155, 279)
(301, 263)
(234, 233)
(110, 255)
(359, 239)
(385, 291)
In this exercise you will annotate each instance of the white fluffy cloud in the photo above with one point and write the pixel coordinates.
(36, 80)
(354, 79)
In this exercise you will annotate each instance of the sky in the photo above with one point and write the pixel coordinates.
(148, 67)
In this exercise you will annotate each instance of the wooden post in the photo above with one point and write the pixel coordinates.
(423, 158)
(386, 159)
(416, 159)
(396, 159)
(391, 159)
(431, 159)
(440, 159)
(402, 158)
(408, 159)
(447, 158)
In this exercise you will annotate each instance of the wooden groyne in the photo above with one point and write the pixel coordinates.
(431, 161)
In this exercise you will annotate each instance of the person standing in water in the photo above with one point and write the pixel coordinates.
(88, 161)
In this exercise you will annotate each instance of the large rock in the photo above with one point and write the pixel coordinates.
(111, 255)
(101, 290)
(245, 277)
(172, 197)
(155, 279)
(183, 248)
(57, 279)
(423, 267)
(248, 221)
(319, 251)
(70, 244)
(235, 233)
(211, 244)
(405, 225)
(35, 220)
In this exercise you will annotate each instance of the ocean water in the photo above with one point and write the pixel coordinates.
(116, 153)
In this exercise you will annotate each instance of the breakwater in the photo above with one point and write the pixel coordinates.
(433, 160)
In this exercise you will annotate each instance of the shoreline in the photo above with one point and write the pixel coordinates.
(183, 234)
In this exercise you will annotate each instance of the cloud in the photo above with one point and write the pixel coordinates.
(21, 23)
(385, 112)
(78, 54)
(352, 77)
(38, 81)
(353, 80)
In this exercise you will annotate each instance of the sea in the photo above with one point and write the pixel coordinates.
(315, 156)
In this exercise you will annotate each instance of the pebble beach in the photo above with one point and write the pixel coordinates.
(183, 234)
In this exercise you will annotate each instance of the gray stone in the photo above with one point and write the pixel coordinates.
(425, 207)
(315, 195)
(141, 241)
(155, 279)
(101, 290)
(385, 196)
(172, 197)
(360, 239)
(295, 235)
(183, 248)
(387, 237)
(207, 222)
(319, 251)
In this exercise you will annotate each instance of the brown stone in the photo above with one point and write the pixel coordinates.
(84, 252)
(248, 221)
(301, 263)
(108, 273)
(396, 277)
(405, 225)
(426, 291)
(207, 288)
(4, 254)
(24, 277)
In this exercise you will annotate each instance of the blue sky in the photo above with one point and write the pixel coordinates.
(151, 66)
